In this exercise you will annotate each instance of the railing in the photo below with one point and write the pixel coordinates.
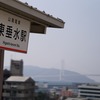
(17, 87)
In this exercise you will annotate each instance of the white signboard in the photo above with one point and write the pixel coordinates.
(14, 32)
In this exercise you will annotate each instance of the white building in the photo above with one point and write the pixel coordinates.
(76, 99)
(89, 91)
(18, 88)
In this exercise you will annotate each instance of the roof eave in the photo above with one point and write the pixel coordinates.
(39, 20)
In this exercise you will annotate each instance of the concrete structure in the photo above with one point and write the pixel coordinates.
(89, 91)
(16, 67)
(18, 88)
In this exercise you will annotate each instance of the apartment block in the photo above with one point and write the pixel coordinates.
(89, 91)
(18, 88)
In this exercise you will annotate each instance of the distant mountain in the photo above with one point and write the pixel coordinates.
(52, 74)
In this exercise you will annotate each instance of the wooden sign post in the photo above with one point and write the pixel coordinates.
(1, 71)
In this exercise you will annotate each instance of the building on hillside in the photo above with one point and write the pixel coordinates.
(67, 93)
(18, 88)
(41, 84)
(16, 67)
(89, 91)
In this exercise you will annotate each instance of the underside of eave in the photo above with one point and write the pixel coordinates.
(37, 28)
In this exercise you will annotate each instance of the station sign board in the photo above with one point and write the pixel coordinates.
(14, 32)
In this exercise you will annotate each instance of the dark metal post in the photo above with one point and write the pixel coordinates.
(1, 71)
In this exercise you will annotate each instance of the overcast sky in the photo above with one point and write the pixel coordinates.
(77, 45)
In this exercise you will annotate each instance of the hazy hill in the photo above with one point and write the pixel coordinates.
(52, 74)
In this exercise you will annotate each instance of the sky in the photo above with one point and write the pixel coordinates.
(76, 46)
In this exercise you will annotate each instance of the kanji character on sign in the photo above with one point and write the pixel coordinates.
(2, 27)
(23, 35)
(16, 35)
(9, 32)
